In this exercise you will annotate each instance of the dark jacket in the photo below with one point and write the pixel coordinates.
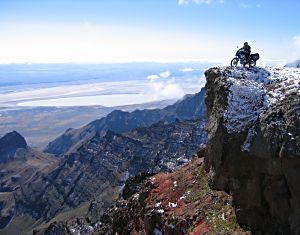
(247, 50)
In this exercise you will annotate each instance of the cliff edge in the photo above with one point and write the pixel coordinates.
(254, 144)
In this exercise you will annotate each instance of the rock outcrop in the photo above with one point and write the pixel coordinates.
(254, 144)
(166, 203)
(9, 144)
(190, 107)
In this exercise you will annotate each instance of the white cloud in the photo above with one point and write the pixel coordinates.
(153, 77)
(185, 2)
(240, 4)
(163, 86)
(165, 74)
(187, 70)
(171, 91)
(165, 90)
(296, 40)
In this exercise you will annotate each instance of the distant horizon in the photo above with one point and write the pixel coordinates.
(218, 61)
(126, 62)
(109, 85)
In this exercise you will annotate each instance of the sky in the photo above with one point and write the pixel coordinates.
(92, 31)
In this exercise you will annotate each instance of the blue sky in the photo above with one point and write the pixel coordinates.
(146, 30)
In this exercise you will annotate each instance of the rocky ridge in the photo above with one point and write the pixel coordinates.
(180, 202)
(254, 144)
(99, 168)
(190, 107)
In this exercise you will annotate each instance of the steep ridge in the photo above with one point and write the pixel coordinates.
(254, 144)
(99, 168)
(180, 202)
(191, 107)
(23, 165)
(9, 145)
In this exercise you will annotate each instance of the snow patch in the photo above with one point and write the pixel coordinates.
(172, 205)
(246, 147)
(252, 91)
(160, 211)
(158, 204)
(157, 231)
(245, 100)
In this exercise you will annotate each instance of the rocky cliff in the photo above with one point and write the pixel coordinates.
(190, 107)
(10, 143)
(254, 144)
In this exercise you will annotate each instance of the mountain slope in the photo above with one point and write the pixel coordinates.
(180, 202)
(191, 107)
(24, 165)
(99, 168)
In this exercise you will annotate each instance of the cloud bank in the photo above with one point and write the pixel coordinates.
(153, 77)
(187, 70)
(162, 86)
(165, 74)
(165, 90)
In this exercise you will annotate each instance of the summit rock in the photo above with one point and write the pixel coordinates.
(254, 144)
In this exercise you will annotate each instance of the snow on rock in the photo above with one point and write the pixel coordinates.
(252, 91)
(160, 211)
(254, 144)
(245, 100)
(284, 81)
(157, 232)
(172, 205)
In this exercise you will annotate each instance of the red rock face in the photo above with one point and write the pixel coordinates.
(201, 228)
(176, 203)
